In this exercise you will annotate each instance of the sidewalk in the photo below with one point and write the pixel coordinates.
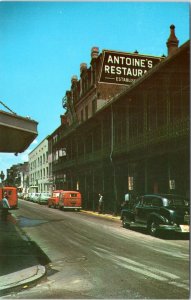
(19, 265)
(19, 257)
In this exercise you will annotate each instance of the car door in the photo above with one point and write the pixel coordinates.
(157, 203)
(142, 210)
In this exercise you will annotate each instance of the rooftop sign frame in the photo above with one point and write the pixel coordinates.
(124, 68)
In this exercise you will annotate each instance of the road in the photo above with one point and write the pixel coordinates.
(91, 257)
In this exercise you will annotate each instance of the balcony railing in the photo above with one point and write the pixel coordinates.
(161, 134)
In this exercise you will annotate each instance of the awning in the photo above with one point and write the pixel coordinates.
(16, 132)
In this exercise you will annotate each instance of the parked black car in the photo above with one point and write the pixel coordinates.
(158, 212)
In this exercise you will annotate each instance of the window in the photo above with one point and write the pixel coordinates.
(86, 112)
(147, 201)
(152, 114)
(94, 106)
(157, 202)
(82, 115)
(97, 138)
(136, 117)
(120, 126)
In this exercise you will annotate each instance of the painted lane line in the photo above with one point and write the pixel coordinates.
(130, 261)
(180, 285)
(148, 272)
(167, 274)
(141, 268)
(140, 271)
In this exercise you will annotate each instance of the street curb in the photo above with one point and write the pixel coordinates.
(34, 273)
(114, 218)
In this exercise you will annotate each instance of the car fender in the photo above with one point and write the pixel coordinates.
(127, 213)
(157, 217)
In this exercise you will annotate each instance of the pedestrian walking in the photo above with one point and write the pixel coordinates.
(5, 207)
(100, 205)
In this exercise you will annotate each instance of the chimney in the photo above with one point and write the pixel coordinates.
(172, 42)
(74, 79)
(63, 119)
(83, 66)
(94, 52)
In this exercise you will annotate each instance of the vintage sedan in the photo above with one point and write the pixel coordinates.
(35, 197)
(158, 213)
(43, 198)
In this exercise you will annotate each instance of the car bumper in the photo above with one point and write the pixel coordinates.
(72, 207)
(180, 228)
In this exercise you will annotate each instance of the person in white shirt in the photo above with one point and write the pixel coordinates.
(5, 207)
(100, 206)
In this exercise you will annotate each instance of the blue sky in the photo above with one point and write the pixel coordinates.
(44, 43)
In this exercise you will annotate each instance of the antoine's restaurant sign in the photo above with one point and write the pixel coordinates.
(124, 68)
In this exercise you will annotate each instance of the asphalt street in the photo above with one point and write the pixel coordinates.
(90, 256)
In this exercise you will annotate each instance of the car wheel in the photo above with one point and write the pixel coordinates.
(153, 228)
(124, 222)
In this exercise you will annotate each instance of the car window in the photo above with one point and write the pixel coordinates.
(147, 201)
(157, 202)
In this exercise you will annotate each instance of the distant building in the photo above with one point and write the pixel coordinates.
(132, 138)
(18, 176)
(39, 168)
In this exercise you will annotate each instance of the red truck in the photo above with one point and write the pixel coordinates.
(54, 199)
(65, 200)
(11, 193)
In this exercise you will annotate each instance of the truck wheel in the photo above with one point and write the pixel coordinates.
(153, 228)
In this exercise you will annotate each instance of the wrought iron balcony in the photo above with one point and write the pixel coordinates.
(169, 132)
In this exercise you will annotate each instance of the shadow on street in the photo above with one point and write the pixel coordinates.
(16, 251)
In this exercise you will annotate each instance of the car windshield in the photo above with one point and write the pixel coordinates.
(177, 201)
